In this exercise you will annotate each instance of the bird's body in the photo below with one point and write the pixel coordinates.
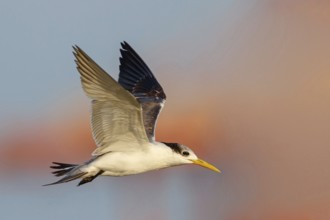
(157, 156)
(124, 115)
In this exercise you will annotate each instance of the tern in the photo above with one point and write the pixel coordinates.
(123, 121)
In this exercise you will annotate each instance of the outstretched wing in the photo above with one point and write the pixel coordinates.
(136, 77)
(117, 122)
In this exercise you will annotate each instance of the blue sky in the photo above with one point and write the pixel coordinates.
(36, 40)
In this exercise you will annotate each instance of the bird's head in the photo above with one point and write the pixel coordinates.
(185, 155)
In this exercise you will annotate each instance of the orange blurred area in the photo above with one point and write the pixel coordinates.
(69, 138)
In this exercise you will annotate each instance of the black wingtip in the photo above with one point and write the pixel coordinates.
(75, 47)
(75, 50)
(125, 46)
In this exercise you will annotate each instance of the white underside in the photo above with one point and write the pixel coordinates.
(155, 156)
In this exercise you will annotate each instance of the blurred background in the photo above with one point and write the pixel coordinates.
(248, 89)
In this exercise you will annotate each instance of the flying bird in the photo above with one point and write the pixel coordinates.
(123, 120)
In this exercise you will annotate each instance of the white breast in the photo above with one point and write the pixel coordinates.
(126, 163)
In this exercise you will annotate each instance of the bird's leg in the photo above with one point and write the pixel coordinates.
(90, 178)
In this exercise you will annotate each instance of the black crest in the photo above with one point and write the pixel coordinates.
(174, 146)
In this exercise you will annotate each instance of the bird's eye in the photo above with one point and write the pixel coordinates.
(185, 153)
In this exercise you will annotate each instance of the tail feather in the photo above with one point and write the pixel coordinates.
(62, 168)
(71, 172)
(65, 169)
(62, 165)
(61, 172)
(67, 178)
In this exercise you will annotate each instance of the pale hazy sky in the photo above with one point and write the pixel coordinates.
(36, 39)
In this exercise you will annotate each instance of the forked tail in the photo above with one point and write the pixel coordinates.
(62, 169)
(71, 172)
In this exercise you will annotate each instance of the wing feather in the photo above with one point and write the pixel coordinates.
(136, 77)
(117, 123)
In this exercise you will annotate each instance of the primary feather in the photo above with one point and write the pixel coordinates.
(116, 114)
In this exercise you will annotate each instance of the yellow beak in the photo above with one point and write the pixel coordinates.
(206, 165)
